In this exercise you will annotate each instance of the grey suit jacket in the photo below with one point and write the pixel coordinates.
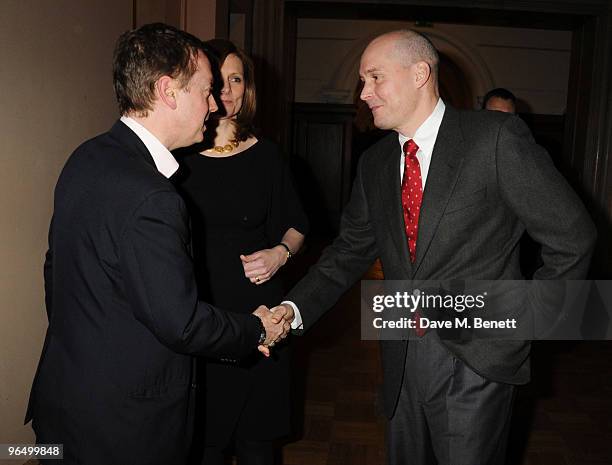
(488, 182)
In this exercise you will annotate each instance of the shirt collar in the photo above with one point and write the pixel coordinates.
(165, 163)
(426, 134)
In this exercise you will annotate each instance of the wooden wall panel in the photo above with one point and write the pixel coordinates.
(321, 161)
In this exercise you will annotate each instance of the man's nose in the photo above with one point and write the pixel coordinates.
(212, 104)
(366, 92)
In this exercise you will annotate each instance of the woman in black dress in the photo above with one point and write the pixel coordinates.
(247, 222)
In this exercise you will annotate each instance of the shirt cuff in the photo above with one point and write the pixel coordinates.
(297, 320)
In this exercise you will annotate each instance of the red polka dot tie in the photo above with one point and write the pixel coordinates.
(412, 195)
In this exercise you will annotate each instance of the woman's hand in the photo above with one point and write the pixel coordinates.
(260, 266)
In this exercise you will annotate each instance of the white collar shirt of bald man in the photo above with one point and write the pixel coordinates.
(425, 138)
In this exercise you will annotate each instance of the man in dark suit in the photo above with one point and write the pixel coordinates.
(446, 196)
(115, 383)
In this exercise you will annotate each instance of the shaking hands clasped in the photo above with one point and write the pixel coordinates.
(277, 323)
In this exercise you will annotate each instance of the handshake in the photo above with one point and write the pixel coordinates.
(276, 322)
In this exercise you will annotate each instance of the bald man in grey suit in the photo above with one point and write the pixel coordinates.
(478, 182)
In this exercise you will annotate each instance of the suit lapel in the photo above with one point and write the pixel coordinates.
(444, 170)
(390, 189)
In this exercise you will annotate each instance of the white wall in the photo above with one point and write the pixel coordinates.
(534, 64)
(55, 75)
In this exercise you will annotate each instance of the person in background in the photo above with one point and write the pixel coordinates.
(499, 99)
(247, 224)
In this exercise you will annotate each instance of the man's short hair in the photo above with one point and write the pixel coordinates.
(412, 46)
(144, 55)
(499, 92)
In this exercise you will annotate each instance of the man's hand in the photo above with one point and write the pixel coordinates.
(287, 311)
(275, 324)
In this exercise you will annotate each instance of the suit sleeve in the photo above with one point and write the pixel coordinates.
(161, 287)
(542, 199)
(342, 263)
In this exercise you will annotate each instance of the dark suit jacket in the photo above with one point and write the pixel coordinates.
(488, 181)
(114, 383)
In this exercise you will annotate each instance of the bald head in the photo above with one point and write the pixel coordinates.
(399, 74)
(410, 47)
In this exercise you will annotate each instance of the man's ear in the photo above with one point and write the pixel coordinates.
(422, 73)
(166, 90)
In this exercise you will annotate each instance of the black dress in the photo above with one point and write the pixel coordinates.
(241, 204)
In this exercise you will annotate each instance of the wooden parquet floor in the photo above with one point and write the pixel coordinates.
(337, 379)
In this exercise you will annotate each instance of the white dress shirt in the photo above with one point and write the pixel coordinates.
(425, 138)
(165, 163)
